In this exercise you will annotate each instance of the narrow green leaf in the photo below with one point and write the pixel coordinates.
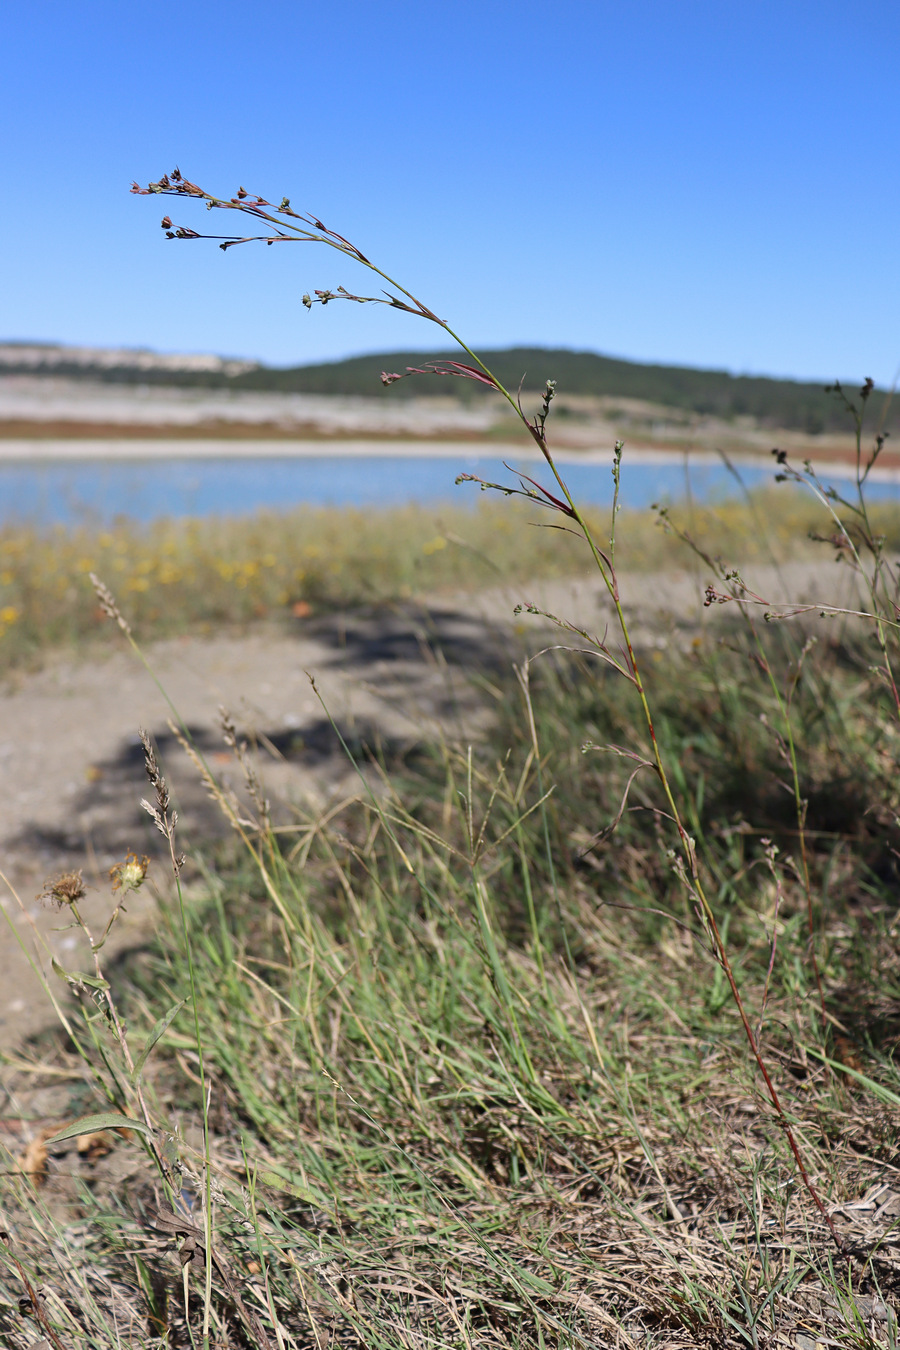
(159, 1030)
(299, 1192)
(77, 979)
(532, 1281)
(876, 1089)
(106, 1120)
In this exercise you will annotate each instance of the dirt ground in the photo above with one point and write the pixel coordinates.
(71, 765)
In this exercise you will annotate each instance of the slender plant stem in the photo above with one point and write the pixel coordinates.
(313, 231)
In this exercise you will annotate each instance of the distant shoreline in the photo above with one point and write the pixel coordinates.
(73, 450)
(28, 452)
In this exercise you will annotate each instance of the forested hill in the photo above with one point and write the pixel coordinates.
(783, 403)
(774, 402)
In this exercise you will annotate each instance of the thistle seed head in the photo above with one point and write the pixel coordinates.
(65, 889)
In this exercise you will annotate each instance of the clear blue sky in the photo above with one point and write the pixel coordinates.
(690, 181)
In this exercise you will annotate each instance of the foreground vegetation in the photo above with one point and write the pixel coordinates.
(472, 1074)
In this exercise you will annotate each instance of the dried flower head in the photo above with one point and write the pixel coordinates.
(66, 889)
(129, 875)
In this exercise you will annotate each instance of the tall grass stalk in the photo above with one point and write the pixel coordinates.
(282, 224)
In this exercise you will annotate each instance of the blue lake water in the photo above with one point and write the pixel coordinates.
(95, 492)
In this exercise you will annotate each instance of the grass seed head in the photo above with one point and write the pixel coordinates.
(157, 782)
(107, 602)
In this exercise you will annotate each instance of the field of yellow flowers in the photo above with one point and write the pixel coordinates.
(196, 574)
